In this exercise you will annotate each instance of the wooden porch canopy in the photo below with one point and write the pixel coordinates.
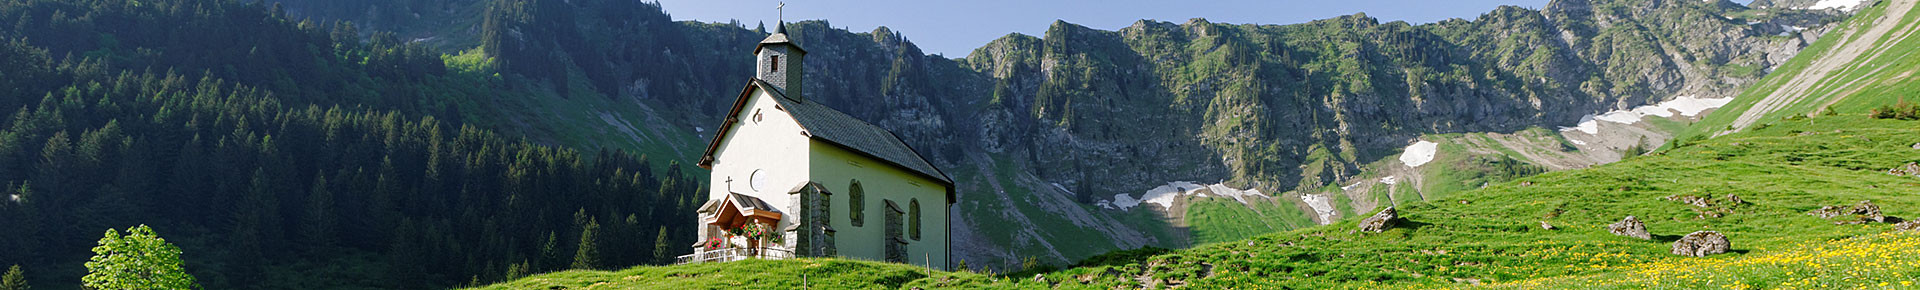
(735, 210)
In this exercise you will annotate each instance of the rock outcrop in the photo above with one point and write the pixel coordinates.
(1907, 226)
(1911, 169)
(1630, 227)
(1701, 244)
(1380, 222)
(1546, 226)
(1859, 213)
(1692, 200)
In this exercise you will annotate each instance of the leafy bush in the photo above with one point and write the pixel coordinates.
(139, 260)
(1902, 110)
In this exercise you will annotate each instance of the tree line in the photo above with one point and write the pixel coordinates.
(284, 154)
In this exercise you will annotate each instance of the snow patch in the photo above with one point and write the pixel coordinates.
(1689, 106)
(1322, 205)
(1623, 117)
(1123, 201)
(1836, 4)
(1236, 194)
(1419, 153)
(1390, 180)
(1587, 125)
(1350, 187)
(1576, 141)
(1165, 194)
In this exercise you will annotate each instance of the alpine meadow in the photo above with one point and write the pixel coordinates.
(611, 144)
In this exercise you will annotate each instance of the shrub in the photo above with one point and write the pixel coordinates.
(1901, 110)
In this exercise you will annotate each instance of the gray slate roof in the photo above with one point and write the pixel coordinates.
(839, 128)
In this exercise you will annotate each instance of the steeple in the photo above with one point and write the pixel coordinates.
(779, 61)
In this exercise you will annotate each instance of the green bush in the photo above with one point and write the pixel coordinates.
(1902, 110)
(139, 260)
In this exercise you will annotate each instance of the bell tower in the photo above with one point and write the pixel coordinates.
(779, 61)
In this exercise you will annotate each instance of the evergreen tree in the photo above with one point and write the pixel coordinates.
(550, 252)
(662, 248)
(588, 256)
(139, 260)
(15, 279)
(318, 227)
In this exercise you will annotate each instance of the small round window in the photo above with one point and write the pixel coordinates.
(759, 180)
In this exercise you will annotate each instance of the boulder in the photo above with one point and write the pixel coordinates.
(1735, 199)
(1907, 226)
(1701, 244)
(1546, 226)
(1380, 222)
(1630, 227)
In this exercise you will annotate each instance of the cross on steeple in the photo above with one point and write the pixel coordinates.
(783, 11)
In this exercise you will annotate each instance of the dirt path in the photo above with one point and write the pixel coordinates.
(1866, 44)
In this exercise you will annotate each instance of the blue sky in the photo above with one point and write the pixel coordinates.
(955, 28)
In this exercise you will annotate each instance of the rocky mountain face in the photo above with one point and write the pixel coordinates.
(1040, 129)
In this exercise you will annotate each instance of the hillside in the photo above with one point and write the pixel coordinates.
(1493, 235)
(1869, 63)
(1757, 186)
(475, 104)
(1044, 132)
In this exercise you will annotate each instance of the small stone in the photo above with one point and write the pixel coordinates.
(1040, 278)
(1735, 199)
(1630, 227)
(1907, 226)
(1693, 200)
(1701, 244)
(1916, 145)
(1380, 222)
(1545, 225)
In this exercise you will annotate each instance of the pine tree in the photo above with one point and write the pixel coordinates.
(15, 279)
(588, 257)
(318, 228)
(550, 252)
(517, 270)
(662, 247)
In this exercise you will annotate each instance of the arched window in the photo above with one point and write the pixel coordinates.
(857, 204)
(913, 218)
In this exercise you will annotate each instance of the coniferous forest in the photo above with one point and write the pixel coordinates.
(281, 153)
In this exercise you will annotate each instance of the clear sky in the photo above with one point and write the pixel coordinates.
(955, 27)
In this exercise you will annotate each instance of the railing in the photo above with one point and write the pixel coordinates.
(734, 254)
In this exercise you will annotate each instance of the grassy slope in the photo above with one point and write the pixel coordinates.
(1494, 237)
(1858, 88)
